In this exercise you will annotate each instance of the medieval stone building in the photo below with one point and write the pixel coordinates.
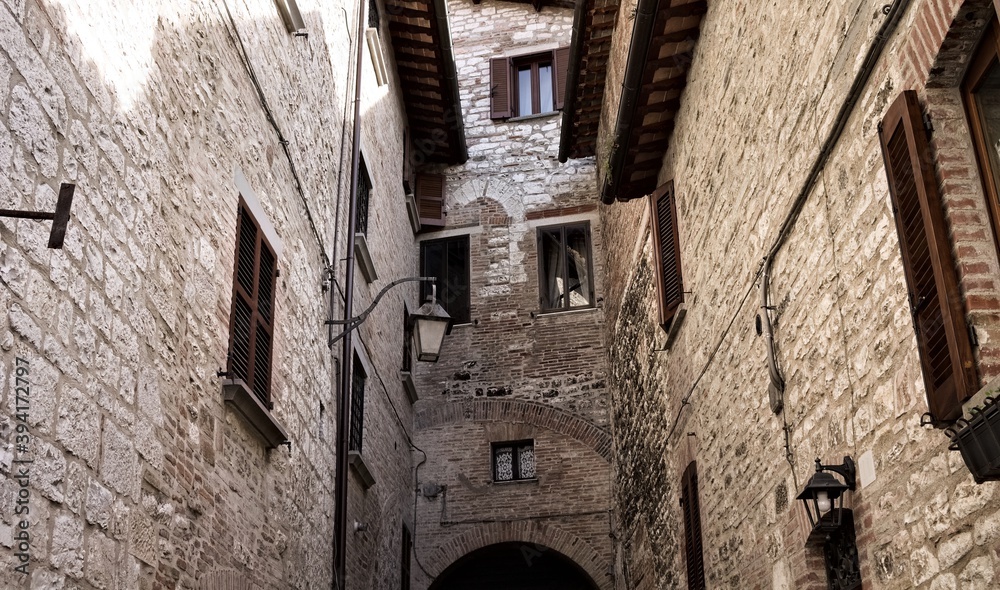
(687, 247)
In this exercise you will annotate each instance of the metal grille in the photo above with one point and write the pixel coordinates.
(843, 571)
(503, 462)
(526, 460)
(514, 460)
(364, 194)
(358, 379)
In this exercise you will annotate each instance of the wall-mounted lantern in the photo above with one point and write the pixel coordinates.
(823, 497)
(431, 322)
(832, 525)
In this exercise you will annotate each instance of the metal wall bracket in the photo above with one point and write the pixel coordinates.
(60, 218)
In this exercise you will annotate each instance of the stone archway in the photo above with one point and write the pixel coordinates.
(530, 537)
(524, 566)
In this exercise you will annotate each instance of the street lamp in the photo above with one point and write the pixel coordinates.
(431, 322)
(823, 497)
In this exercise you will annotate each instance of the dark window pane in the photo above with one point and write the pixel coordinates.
(357, 405)
(448, 260)
(578, 267)
(364, 195)
(553, 285)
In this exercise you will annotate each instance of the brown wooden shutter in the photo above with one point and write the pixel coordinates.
(407, 161)
(430, 199)
(692, 528)
(935, 300)
(499, 88)
(666, 246)
(561, 61)
(251, 319)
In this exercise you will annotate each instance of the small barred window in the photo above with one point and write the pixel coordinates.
(514, 461)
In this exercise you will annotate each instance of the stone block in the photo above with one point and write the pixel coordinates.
(79, 425)
(119, 461)
(66, 551)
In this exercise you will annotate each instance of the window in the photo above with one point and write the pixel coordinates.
(692, 528)
(251, 323)
(407, 548)
(448, 260)
(373, 16)
(981, 94)
(564, 266)
(943, 341)
(666, 251)
(407, 343)
(358, 379)
(514, 461)
(364, 195)
(528, 85)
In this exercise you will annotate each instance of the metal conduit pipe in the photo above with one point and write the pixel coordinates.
(451, 77)
(572, 79)
(894, 14)
(344, 395)
(642, 34)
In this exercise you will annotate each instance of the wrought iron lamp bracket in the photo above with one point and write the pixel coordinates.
(848, 470)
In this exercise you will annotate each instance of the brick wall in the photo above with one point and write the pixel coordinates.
(845, 339)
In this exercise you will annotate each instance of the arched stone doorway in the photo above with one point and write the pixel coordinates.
(514, 566)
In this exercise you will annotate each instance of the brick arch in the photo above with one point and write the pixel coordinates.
(533, 413)
(970, 18)
(538, 537)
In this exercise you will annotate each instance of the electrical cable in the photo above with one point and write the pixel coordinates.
(385, 392)
(245, 58)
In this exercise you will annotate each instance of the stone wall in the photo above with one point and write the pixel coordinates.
(142, 476)
(765, 86)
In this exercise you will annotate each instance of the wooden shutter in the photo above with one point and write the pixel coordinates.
(666, 246)
(430, 199)
(407, 162)
(499, 88)
(943, 342)
(692, 528)
(251, 319)
(561, 63)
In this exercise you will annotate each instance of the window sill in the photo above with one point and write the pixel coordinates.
(364, 258)
(238, 395)
(535, 116)
(413, 212)
(530, 480)
(411, 389)
(561, 312)
(357, 463)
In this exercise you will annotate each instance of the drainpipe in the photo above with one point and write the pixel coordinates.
(451, 78)
(344, 397)
(642, 34)
(572, 79)
(894, 13)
